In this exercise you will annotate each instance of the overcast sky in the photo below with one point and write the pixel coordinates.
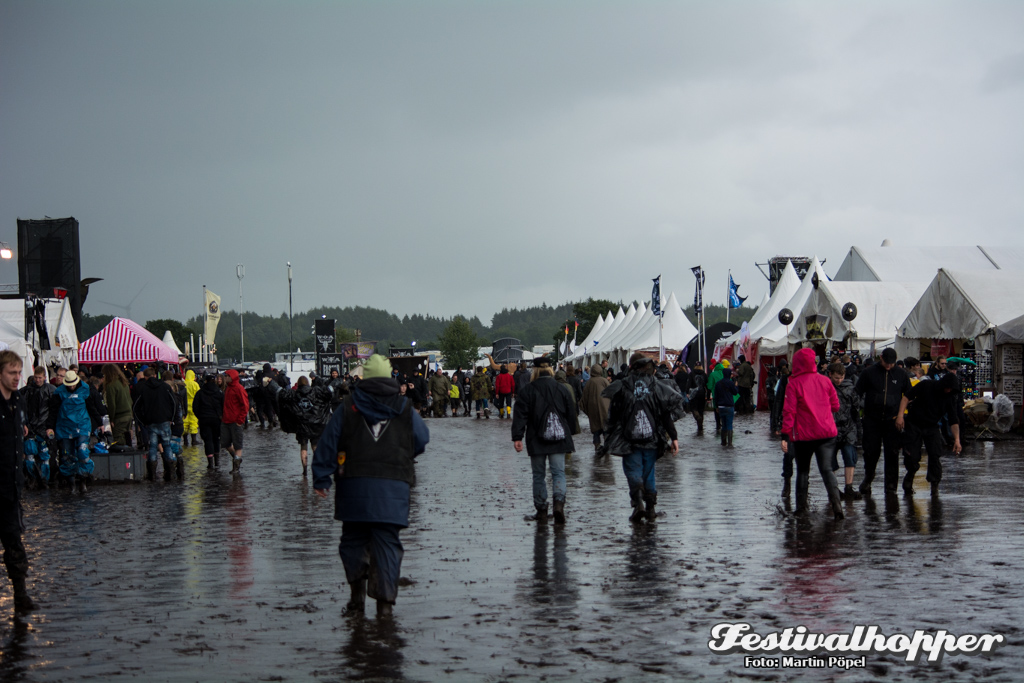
(460, 157)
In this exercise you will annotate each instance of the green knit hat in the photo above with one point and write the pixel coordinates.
(376, 366)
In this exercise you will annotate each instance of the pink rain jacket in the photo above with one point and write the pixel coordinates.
(810, 401)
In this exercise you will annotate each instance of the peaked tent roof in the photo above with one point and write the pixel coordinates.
(626, 329)
(169, 340)
(881, 307)
(866, 264)
(595, 332)
(125, 341)
(772, 337)
(602, 341)
(962, 304)
(789, 283)
(677, 333)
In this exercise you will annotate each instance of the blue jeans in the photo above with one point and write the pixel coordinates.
(540, 488)
(75, 460)
(849, 452)
(160, 432)
(726, 414)
(638, 467)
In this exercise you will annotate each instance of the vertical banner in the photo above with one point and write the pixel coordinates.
(656, 297)
(698, 294)
(326, 347)
(212, 317)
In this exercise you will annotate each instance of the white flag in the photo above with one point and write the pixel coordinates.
(212, 316)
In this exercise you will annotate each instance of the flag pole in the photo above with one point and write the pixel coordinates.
(206, 322)
(728, 295)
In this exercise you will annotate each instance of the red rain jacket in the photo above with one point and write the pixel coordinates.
(505, 383)
(810, 401)
(236, 401)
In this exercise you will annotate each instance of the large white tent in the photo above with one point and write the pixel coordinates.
(60, 333)
(767, 312)
(773, 336)
(674, 331)
(891, 263)
(595, 333)
(613, 343)
(601, 343)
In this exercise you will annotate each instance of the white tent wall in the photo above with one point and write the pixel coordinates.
(601, 349)
(896, 264)
(789, 283)
(961, 304)
(60, 329)
(613, 343)
(579, 357)
(677, 333)
(773, 338)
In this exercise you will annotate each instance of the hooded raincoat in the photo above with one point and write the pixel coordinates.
(810, 401)
(191, 388)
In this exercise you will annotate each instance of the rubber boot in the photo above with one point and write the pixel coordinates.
(802, 482)
(851, 493)
(730, 438)
(236, 464)
(908, 484)
(150, 470)
(478, 415)
(168, 469)
(82, 487)
(357, 601)
(216, 459)
(487, 413)
(835, 500)
(179, 468)
(651, 499)
(725, 437)
(384, 609)
(209, 462)
(559, 509)
(22, 602)
(542, 514)
(935, 488)
(636, 498)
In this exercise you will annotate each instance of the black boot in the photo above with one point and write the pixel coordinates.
(559, 509)
(150, 470)
(835, 500)
(236, 464)
(851, 493)
(725, 437)
(542, 514)
(730, 437)
(802, 482)
(179, 468)
(22, 602)
(209, 462)
(357, 601)
(908, 484)
(82, 487)
(651, 499)
(786, 488)
(168, 469)
(384, 609)
(636, 498)
(216, 459)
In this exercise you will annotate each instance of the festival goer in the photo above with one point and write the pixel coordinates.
(156, 408)
(368, 449)
(725, 407)
(481, 392)
(236, 408)
(191, 422)
(208, 406)
(118, 398)
(928, 403)
(12, 433)
(697, 395)
(37, 394)
(807, 423)
(70, 421)
(311, 407)
(438, 393)
(596, 406)
(454, 396)
(713, 378)
(504, 388)
(744, 380)
(562, 378)
(543, 419)
(641, 430)
(882, 386)
(847, 419)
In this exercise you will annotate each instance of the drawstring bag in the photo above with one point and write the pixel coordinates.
(553, 431)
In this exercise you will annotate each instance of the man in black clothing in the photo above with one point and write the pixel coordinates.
(883, 387)
(12, 434)
(929, 401)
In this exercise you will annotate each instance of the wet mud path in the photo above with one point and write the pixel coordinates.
(238, 579)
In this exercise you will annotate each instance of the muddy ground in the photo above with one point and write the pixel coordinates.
(227, 578)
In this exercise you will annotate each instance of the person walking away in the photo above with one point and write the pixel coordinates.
(641, 430)
(191, 421)
(725, 404)
(236, 408)
(117, 396)
(544, 413)
(929, 402)
(745, 384)
(504, 387)
(12, 435)
(596, 406)
(208, 406)
(697, 395)
(70, 420)
(454, 394)
(438, 393)
(713, 378)
(882, 386)
(368, 448)
(37, 394)
(847, 419)
(178, 423)
(808, 424)
(156, 408)
(311, 408)
(521, 377)
(562, 378)
(480, 388)
(576, 382)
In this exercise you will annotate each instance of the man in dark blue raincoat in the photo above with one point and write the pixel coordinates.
(368, 449)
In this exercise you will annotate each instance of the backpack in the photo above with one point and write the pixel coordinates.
(639, 424)
(552, 429)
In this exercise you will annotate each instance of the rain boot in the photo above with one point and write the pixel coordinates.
(559, 509)
(835, 500)
(542, 514)
(22, 602)
(802, 482)
(179, 468)
(82, 486)
(150, 470)
(636, 498)
(851, 493)
(729, 433)
(209, 462)
(651, 499)
(168, 469)
(216, 459)
(908, 483)
(236, 464)
(725, 437)
(384, 609)
(478, 415)
(935, 488)
(357, 601)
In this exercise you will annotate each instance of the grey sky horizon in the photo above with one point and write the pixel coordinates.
(462, 157)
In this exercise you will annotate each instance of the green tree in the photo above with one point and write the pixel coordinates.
(459, 344)
(161, 325)
(587, 312)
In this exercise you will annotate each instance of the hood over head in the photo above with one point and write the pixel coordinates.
(378, 399)
(804, 362)
(190, 376)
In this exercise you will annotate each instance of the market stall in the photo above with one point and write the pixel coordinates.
(125, 341)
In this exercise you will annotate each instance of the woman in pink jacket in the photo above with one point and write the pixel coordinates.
(807, 423)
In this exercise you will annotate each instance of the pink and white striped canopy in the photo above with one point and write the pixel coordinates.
(125, 341)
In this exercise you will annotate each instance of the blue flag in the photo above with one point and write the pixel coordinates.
(656, 297)
(735, 300)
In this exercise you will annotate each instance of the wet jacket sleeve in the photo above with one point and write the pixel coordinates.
(325, 457)
(521, 414)
(789, 411)
(420, 434)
